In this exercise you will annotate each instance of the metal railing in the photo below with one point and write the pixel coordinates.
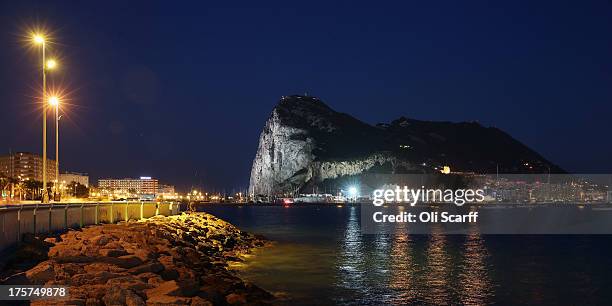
(17, 220)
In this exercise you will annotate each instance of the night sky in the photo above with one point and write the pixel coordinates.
(181, 92)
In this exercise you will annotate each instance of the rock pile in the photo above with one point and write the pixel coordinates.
(176, 260)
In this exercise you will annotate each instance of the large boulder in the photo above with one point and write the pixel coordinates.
(117, 296)
(41, 273)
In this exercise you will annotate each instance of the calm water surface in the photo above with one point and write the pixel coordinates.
(320, 257)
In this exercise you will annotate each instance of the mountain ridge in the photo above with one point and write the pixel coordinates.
(305, 142)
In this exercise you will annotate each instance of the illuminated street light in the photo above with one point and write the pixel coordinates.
(54, 101)
(38, 39)
(47, 65)
(51, 64)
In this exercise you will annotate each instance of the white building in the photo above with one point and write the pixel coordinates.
(142, 185)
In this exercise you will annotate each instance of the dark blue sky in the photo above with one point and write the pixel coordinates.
(181, 92)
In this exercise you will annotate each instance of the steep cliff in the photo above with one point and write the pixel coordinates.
(304, 143)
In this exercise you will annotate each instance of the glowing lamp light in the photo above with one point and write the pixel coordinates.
(352, 191)
(54, 101)
(446, 170)
(51, 64)
(38, 39)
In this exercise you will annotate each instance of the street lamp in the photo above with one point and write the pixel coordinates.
(51, 64)
(38, 39)
(55, 101)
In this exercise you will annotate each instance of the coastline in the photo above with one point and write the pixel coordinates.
(174, 260)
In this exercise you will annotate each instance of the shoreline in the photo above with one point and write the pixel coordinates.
(174, 260)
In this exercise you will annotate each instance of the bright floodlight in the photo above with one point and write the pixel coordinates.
(38, 39)
(54, 100)
(51, 64)
(446, 170)
(352, 191)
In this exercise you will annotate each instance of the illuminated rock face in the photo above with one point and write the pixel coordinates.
(304, 143)
(281, 154)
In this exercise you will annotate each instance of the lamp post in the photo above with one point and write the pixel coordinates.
(47, 65)
(54, 101)
(40, 40)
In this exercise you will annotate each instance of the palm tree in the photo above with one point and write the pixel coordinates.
(17, 186)
(33, 188)
(4, 183)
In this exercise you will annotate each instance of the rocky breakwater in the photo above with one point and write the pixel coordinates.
(176, 260)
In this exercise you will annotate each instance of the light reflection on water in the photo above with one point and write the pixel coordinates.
(322, 258)
(392, 260)
(404, 280)
(351, 264)
(437, 269)
(476, 287)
